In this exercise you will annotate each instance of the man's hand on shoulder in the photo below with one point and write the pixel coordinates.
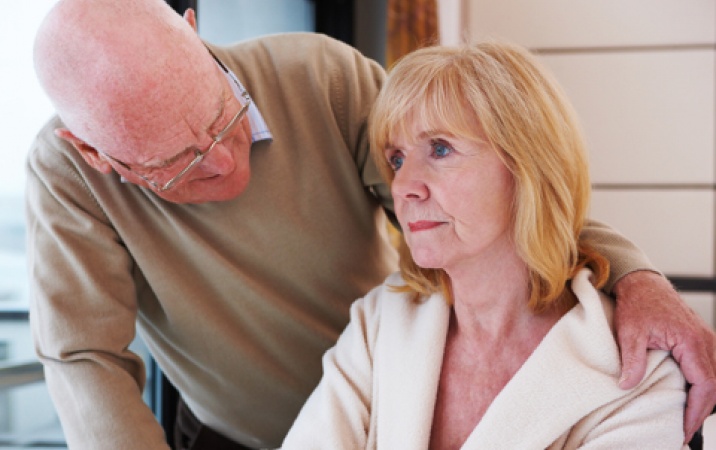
(651, 315)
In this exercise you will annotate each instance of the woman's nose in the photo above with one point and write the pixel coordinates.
(409, 183)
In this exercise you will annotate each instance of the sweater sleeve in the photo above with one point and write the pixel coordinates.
(337, 414)
(83, 307)
(624, 257)
(356, 81)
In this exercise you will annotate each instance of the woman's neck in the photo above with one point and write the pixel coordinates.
(490, 301)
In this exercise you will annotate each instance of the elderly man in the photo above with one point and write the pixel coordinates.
(222, 201)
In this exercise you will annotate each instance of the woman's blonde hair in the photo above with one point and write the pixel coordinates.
(499, 91)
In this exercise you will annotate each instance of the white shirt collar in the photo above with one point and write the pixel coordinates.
(259, 128)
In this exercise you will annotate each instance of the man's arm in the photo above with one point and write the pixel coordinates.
(624, 257)
(83, 309)
(651, 315)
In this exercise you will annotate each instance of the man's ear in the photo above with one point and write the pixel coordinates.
(190, 16)
(88, 153)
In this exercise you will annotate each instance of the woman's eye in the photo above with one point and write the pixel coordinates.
(441, 150)
(396, 161)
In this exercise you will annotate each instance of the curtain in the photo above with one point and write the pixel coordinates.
(411, 24)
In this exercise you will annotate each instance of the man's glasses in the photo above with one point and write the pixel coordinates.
(198, 154)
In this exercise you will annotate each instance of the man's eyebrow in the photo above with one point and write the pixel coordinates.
(191, 148)
(170, 161)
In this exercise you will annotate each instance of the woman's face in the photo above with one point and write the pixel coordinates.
(453, 198)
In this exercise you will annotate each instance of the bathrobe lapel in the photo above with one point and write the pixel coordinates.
(569, 375)
(408, 366)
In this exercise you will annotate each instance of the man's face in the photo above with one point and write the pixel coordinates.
(194, 150)
(145, 108)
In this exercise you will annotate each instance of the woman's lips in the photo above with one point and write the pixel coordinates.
(423, 225)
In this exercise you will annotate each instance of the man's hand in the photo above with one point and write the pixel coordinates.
(651, 315)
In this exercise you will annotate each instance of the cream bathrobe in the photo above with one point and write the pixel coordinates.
(380, 381)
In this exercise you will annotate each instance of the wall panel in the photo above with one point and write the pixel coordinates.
(648, 115)
(604, 23)
(674, 227)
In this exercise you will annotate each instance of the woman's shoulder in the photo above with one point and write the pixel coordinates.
(595, 314)
(594, 305)
(390, 300)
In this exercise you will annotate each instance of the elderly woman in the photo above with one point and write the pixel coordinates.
(494, 333)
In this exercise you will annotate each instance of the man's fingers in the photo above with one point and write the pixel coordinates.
(699, 405)
(634, 356)
(695, 357)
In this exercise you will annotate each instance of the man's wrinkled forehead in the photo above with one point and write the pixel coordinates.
(105, 45)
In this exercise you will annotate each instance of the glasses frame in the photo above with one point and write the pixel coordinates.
(198, 154)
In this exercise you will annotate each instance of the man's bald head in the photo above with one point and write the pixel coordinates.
(114, 68)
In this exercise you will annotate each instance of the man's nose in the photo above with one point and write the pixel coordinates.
(219, 161)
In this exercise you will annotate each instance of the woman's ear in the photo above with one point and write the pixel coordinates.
(90, 154)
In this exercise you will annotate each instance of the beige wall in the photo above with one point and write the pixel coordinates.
(642, 76)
